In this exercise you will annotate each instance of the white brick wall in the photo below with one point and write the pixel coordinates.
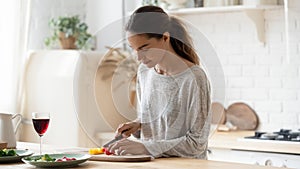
(283, 71)
(268, 106)
(283, 94)
(233, 94)
(255, 94)
(233, 70)
(240, 82)
(256, 73)
(264, 118)
(267, 82)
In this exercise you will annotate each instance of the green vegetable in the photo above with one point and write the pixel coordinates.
(11, 153)
(2, 153)
(7, 152)
(28, 158)
(46, 157)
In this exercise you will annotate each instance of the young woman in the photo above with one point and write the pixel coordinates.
(173, 90)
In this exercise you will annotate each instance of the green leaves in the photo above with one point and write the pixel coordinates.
(7, 152)
(46, 157)
(71, 26)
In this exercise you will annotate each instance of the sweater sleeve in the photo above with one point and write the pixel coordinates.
(193, 144)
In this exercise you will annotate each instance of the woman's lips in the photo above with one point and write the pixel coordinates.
(146, 62)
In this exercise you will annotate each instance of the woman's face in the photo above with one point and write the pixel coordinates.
(150, 51)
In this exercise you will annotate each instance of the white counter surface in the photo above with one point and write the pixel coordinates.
(235, 140)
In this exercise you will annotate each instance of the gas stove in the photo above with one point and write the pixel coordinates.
(281, 135)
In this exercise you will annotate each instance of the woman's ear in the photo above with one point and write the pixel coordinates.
(166, 36)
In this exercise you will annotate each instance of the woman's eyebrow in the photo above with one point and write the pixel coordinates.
(141, 47)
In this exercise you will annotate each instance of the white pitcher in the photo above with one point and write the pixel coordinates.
(7, 130)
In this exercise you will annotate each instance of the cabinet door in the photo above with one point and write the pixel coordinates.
(253, 157)
(227, 155)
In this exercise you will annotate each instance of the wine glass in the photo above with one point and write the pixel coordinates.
(40, 122)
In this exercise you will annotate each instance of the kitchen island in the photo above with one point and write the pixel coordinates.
(162, 163)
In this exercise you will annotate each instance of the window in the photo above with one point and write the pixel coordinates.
(7, 43)
(11, 50)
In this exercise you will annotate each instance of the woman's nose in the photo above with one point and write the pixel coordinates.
(139, 56)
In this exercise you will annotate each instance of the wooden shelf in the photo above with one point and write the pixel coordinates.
(221, 9)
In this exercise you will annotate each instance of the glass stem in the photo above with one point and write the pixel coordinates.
(40, 145)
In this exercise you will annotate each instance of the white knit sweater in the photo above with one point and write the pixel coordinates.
(173, 111)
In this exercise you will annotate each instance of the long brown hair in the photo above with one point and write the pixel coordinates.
(154, 21)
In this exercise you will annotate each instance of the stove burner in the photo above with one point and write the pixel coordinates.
(281, 135)
(258, 134)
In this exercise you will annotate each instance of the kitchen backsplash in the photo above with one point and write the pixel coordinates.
(256, 73)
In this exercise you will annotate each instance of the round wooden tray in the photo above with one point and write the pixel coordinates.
(218, 113)
(242, 116)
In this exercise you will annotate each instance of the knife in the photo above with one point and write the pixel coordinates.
(115, 139)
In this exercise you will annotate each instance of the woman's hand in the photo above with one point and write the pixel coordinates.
(126, 129)
(128, 147)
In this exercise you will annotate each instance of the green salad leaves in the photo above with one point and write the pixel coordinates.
(44, 158)
(7, 152)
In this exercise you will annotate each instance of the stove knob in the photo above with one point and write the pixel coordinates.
(284, 164)
(268, 162)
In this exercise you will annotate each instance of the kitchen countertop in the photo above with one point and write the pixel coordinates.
(235, 140)
(165, 163)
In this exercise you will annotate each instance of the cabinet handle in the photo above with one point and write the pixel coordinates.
(268, 162)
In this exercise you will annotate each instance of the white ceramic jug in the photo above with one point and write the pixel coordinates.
(7, 130)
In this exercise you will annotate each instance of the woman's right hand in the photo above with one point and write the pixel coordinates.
(126, 129)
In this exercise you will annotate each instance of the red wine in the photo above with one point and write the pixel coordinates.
(40, 125)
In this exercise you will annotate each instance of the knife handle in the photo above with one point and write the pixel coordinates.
(115, 139)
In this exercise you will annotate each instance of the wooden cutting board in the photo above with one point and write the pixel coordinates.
(127, 158)
(242, 116)
(218, 113)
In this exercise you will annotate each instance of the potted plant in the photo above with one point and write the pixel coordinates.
(70, 32)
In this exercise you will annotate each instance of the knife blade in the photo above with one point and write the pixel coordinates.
(114, 140)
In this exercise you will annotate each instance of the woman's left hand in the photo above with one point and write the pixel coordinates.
(126, 147)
